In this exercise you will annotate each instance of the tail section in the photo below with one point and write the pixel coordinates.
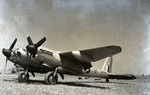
(107, 67)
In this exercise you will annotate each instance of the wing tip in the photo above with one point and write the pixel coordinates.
(116, 48)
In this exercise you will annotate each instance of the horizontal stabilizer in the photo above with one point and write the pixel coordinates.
(122, 77)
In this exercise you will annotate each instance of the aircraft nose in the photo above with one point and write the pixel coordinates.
(6, 52)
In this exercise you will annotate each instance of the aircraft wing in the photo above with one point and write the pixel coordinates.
(94, 54)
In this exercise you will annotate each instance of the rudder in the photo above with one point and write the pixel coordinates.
(107, 67)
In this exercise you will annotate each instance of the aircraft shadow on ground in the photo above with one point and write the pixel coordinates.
(28, 82)
(80, 84)
(74, 83)
(99, 82)
(10, 80)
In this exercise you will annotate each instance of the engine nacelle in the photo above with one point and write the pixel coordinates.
(82, 57)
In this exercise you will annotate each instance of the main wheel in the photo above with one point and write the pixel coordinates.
(50, 79)
(22, 77)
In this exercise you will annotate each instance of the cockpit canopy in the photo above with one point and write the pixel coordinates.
(46, 52)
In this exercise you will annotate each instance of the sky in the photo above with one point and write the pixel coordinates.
(81, 24)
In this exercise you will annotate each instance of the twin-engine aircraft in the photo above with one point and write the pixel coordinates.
(39, 60)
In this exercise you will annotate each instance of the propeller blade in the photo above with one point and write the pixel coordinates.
(29, 40)
(6, 52)
(40, 42)
(5, 65)
(13, 44)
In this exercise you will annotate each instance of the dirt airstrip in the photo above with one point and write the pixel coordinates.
(72, 86)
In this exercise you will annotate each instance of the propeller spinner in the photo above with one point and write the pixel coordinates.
(7, 52)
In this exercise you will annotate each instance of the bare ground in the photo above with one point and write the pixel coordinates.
(72, 86)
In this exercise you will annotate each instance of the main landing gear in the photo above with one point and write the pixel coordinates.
(51, 77)
(22, 77)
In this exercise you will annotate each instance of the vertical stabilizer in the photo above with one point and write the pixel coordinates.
(107, 67)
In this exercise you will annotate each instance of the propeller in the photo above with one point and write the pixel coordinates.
(7, 52)
(5, 65)
(32, 48)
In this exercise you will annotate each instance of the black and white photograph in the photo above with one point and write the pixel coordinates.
(74, 47)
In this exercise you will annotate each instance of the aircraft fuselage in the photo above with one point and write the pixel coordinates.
(43, 62)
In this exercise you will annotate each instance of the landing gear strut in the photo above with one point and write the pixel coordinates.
(22, 77)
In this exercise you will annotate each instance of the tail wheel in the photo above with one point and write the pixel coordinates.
(50, 79)
(22, 77)
(107, 80)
